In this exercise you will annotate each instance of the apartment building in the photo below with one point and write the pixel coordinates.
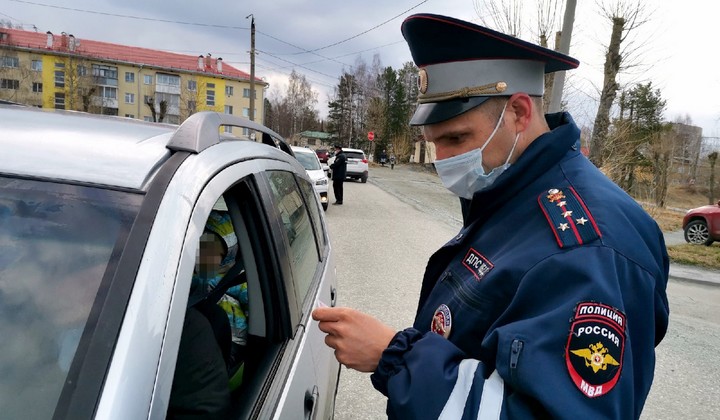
(64, 72)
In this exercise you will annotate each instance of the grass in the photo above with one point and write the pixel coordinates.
(697, 255)
(679, 200)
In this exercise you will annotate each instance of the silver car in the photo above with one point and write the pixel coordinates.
(101, 220)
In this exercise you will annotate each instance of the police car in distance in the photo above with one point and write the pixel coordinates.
(100, 226)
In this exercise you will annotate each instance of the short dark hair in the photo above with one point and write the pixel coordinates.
(337, 146)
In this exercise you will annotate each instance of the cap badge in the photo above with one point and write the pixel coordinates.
(423, 81)
(500, 87)
(442, 321)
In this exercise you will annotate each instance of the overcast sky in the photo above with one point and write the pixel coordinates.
(320, 38)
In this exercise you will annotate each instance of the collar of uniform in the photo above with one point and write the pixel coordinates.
(546, 151)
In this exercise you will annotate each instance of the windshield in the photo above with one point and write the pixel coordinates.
(55, 244)
(308, 160)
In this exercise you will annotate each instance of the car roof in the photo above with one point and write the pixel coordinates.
(302, 149)
(87, 148)
(347, 149)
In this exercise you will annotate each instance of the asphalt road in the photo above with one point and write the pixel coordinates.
(383, 236)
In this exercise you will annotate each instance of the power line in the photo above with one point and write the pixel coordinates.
(210, 25)
(361, 33)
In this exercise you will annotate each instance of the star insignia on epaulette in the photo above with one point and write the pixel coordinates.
(571, 221)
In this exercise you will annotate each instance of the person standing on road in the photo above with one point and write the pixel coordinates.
(339, 171)
(550, 300)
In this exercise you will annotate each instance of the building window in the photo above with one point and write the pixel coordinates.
(192, 85)
(105, 75)
(148, 119)
(171, 100)
(228, 109)
(59, 100)
(59, 65)
(246, 112)
(37, 65)
(210, 97)
(105, 72)
(246, 92)
(60, 79)
(146, 99)
(147, 79)
(129, 116)
(37, 87)
(107, 92)
(9, 84)
(129, 98)
(82, 71)
(8, 61)
(229, 90)
(167, 79)
(129, 77)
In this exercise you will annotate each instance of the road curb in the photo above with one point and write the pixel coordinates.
(694, 280)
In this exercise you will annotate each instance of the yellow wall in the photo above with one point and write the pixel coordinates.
(138, 109)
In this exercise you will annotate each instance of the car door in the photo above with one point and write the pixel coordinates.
(312, 281)
(280, 377)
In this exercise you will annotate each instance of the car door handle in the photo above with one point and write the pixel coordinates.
(311, 397)
(333, 297)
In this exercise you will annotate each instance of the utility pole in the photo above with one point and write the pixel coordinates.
(559, 81)
(251, 112)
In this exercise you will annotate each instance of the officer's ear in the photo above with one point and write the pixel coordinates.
(522, 110)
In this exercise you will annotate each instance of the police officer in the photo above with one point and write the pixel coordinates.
(551, 299)
(339, 172)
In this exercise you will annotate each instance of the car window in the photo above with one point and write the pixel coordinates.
(309, 161)
(303, 250)
(311, 200)
(56, 242)
(355, 155)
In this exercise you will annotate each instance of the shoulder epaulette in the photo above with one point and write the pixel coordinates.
(569, 218)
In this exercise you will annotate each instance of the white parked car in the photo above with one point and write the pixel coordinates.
(102, 220)
(357, 164)
(309, 160)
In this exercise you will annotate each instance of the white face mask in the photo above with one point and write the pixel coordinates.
(464, 174)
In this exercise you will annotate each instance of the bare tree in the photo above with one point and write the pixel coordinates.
(503, 15)
(626, 17)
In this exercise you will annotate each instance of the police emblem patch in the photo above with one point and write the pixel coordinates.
(442, 321)
(595, 348)
(478, 265)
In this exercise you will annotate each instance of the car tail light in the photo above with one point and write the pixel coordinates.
(364, 161)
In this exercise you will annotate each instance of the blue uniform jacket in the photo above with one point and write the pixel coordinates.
(548, 303)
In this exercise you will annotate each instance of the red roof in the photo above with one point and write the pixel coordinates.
(115, 52)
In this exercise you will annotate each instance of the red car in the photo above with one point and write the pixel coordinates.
(322, 154)
(702, 225)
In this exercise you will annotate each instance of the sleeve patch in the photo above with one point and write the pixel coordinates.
(595, 348)
(570, 220)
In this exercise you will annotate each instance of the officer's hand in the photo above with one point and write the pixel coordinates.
(358, 338)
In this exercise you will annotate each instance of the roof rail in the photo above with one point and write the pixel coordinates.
(202, 130)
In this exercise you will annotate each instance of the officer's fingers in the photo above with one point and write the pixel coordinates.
(327, 314)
